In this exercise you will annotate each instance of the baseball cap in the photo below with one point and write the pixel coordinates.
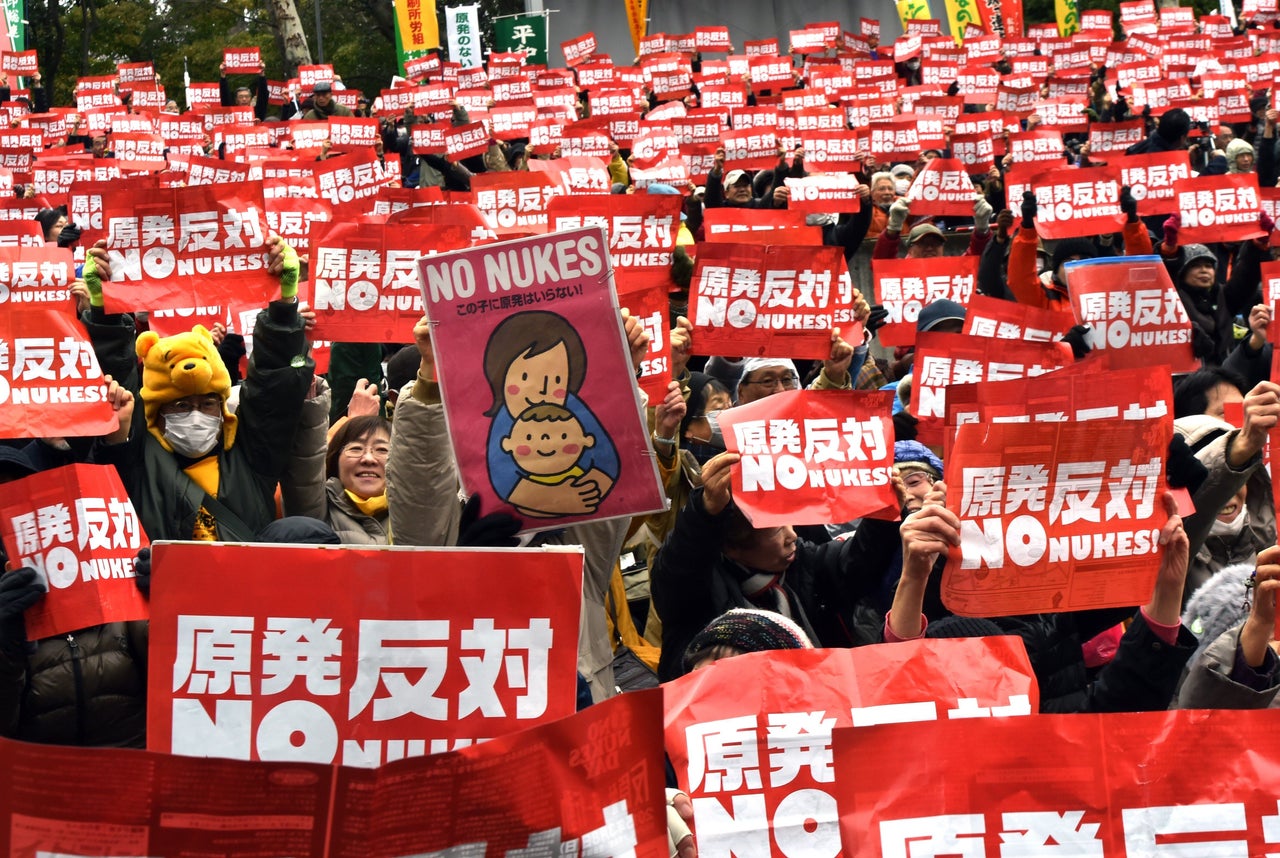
(938, 312)
(735, 176)
(919, 232)
(323, 86)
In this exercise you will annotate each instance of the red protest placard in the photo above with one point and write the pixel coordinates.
(1218, 208)
(515, 203)
(975, 151)
(724, 224)
(943, 187)
(894, 139)
(1082, 202)
(1151, 179)
(242, 60)
(643, 292)
(642, 227)
(1113, 138)
(343, 681)
(50, 382)
(750, 149)
(1008, 320)
(1055, 516)
(77, 528)
(1128, 791)
(579, 49)
(776, 301)
(181, 247)
(596, 801)
(942, 360)
(19, 62)
(831, 192)
(1134, 310)
(554, 355)
(905, 286)
(749, 737)
(37, 276)
(364, 277)
(465, 141)
(812, 457)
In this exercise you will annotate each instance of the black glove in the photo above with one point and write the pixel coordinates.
(1181, 468)
(69, 236)
(1029, 209)
(1076, 339)
(954, 89)
(495, 530)
(879, 315)
(142, 571)
(1128, 204)
(19, 590)
(1203, 346)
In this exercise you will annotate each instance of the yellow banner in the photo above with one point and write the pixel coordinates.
(417, 25)
(911, 10)
(637, 20)
(1068, 17)
(962, 14)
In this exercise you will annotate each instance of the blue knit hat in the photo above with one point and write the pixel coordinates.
(915, 453)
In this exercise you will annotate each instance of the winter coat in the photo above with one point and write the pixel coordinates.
(353, 526)
(1209, 685)
(88, 688)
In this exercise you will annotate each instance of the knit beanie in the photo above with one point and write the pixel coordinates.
(1069, 247)
(747, 630)
(183, 365)
(914, 456)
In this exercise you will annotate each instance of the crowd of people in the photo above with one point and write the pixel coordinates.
(363, 457)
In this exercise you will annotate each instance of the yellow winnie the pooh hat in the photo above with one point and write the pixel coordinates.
(180, 366)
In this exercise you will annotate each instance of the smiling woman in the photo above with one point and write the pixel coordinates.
(356, 466)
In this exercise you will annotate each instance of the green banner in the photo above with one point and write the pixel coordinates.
(526, 34)
(15, 11)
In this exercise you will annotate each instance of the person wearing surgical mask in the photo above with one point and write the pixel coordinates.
(902, 177)
(698, 436)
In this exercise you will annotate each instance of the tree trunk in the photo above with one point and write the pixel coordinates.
(290, 35)
(384, 17)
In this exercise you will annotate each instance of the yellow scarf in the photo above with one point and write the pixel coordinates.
(369, 506)
(204, 474)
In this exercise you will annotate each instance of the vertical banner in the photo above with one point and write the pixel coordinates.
(522, 34)
(962, 14)
(464, 35)
(749, 737)
(416, 27)
(1068, 14)
(408, 662)
(1055, 516)
(812, 456)
(637, 21)
(545, 417)
(78, 529)
(912, 10)
(14, 35)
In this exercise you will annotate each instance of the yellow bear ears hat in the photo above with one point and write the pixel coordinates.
(180, 366)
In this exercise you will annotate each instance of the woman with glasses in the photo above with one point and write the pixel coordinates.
(356, 484)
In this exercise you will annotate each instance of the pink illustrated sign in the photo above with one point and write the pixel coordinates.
(545, 419)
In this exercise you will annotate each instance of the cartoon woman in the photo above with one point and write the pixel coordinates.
(537, 358)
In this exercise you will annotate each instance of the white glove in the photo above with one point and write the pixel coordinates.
(898, 214)
(982, 212)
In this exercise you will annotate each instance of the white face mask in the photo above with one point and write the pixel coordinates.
(902, 186)
(1230, 528)
(192, 435)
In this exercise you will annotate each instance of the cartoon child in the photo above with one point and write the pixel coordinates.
(537, 358)
(546, 442)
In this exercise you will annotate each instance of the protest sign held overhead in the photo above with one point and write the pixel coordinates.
(906, 286)
(1007, 320)
(1218, 208)
(811, 457)
(555, 368)
(237, 677)
(749, 737)
(774, 301)
(642, 227)
(77, 528)
(1055, 516)
(1133, 309)
(50, 381)
(942, 187)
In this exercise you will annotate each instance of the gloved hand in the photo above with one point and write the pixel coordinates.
(879, 315)
(19, 590)
(142, 571)
(1171, 227)
(1181, 467)
(495, 530)
(92, 279)
(1128, 204)
(982, 212)
(1004, 223)
(1029, 209)
(1203, 345)
(69, 236)
(1266, 223)
(1076, 339)
(898, 214)
(284, 259)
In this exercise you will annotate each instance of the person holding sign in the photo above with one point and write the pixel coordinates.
(1153, 651)
(193, 469)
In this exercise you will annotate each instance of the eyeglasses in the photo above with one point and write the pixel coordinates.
(211, 406)
(787, 381)
(915, 479)
(359, 451)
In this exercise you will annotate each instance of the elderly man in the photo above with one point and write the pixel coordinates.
(323, 106)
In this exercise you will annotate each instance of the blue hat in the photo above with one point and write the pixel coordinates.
(938, 312)
(917, 454)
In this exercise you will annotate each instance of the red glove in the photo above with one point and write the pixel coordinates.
(1267, 224)
(1171, 227)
